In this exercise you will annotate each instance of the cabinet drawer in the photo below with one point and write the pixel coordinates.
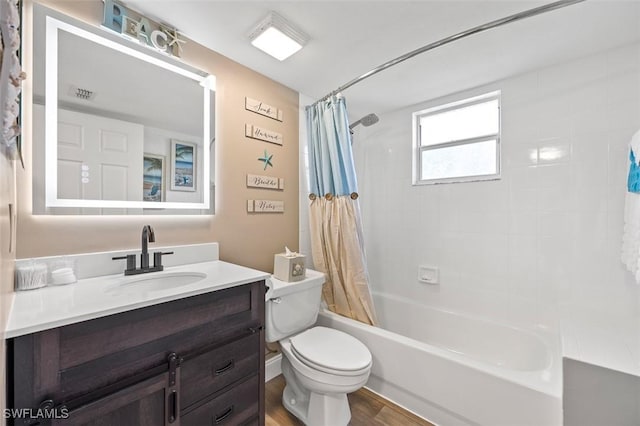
(86, 341)
(237, 406)
(210, 372)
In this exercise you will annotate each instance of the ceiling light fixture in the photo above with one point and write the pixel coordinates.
(277, 37)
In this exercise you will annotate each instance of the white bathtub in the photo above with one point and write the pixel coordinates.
(457, 370)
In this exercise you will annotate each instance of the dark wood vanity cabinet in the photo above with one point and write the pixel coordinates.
(192, 361)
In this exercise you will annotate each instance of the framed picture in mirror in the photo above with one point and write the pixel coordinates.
(153, 181)
(183, 165)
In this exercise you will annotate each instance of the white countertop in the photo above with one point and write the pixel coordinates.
(55, 306)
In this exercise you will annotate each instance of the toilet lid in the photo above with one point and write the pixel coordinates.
(331, 349)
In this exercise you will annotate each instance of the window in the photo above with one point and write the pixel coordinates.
(458, 142)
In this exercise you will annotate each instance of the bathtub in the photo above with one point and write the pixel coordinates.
(453, 369)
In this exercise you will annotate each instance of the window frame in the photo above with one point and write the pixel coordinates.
(451, 106)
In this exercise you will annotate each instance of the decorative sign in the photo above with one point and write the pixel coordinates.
(260, 133)
(125, 21)
(266, 182)
(265, 206)
(263, 109)
(267, 159)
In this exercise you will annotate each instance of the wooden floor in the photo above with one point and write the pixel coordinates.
(367, 409)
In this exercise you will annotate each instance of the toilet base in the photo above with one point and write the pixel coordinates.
(313, 409)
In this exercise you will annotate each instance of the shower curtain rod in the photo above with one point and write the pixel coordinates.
(475, 30)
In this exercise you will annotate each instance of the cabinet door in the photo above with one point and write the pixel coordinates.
(148, 403)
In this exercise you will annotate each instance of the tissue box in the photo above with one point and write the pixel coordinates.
(289, 268)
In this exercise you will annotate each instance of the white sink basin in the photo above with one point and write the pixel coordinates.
(157, 281)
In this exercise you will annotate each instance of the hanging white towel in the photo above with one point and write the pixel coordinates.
(631, 234)
(635, 144)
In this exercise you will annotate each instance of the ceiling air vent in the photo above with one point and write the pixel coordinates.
(80, 93)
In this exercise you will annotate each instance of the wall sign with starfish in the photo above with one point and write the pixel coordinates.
(135, 26)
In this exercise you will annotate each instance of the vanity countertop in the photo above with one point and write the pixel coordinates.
(55, 306)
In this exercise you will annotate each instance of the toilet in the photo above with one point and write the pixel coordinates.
(320, 365)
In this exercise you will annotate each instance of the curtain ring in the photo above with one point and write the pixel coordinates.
(328, 196)
(354, 195)
(312, 197)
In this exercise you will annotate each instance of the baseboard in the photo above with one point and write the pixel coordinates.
(273, 367)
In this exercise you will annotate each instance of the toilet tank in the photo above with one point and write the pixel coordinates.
(292, 306)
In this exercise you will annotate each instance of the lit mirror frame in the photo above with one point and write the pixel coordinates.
(208, 82)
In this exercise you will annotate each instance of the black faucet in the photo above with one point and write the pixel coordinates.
(147, 237)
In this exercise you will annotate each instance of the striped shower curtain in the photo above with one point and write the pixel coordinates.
(336, 230)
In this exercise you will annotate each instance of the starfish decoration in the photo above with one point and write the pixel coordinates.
(173, 34)
(267, 159)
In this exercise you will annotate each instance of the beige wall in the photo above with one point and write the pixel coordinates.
(249, 240)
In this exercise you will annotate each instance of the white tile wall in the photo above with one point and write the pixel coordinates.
(541, 246)
(542, 240)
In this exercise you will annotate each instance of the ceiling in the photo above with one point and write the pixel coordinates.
(349, 38)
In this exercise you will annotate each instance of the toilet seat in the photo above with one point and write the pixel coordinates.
(331, 351)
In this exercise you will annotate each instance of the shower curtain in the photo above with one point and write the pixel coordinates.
(336, 230)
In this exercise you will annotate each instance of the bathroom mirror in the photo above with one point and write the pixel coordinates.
(118, 128)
